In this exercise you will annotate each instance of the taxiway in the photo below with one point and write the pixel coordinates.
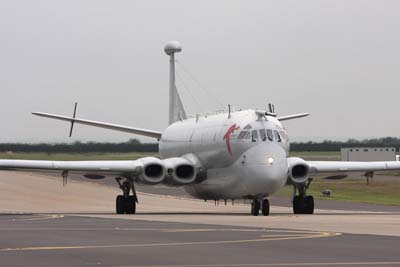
(43, 223)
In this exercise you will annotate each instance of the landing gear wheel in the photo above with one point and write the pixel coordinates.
(309, 205)
(298, 205)
(120, 204)
(265, 207)
(130, 205)
(126, 203)
(303, 205)
(255, 207)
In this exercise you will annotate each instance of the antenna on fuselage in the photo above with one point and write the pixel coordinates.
(176, 110)
(271, 110)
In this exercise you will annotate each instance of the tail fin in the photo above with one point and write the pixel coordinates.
(176, 110)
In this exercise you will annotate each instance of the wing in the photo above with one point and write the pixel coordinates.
(147, 170)
(351, 166)
(139, 131)
(177, 171)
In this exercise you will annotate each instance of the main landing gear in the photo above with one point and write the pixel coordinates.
(302, 203)
(256, 206)
(126, 203)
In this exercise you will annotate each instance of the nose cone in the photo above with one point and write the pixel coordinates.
(266, 167)
(172, 47)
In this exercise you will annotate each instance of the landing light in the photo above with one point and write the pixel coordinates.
(270, 161)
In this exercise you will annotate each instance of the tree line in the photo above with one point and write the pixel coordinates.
(134, 145)
(329, 145)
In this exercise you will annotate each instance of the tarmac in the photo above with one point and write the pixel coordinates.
(43, 223)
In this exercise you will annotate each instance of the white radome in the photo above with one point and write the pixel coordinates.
(172, 47)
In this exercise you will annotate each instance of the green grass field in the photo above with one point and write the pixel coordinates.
(352, 189)
(385, 192)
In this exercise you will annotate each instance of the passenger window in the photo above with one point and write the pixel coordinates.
(277, 136)
(270, 135)
(263, 135)
(254, 136)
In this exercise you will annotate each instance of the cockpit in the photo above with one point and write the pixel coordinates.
(263, 135)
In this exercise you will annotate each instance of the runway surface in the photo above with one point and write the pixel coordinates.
(57, 240)
(44, 224)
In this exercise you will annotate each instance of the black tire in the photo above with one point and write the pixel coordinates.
(309, 207)
(120, 204)
(255, 207)
(298, 205)
(265, 207)
(130, 205)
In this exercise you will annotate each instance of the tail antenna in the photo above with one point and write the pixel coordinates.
(73, 119)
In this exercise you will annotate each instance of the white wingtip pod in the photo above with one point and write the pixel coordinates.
(153, 170)
(299, 170)
(180, 171)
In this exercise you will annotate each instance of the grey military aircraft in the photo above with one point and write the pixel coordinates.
(227, 156)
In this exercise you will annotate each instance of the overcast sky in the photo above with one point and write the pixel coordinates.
(338, 60)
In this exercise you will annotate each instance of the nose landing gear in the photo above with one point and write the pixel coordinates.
(302, 203)
(126, 203)
(256, 206)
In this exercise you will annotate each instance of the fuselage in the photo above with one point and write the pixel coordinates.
(244, 154)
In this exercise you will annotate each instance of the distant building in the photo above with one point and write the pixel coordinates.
(368, 154)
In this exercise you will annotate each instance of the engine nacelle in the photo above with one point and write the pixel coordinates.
(299, 170)
(180, 171)
(151, 170)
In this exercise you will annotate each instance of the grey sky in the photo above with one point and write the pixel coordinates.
(338, 60)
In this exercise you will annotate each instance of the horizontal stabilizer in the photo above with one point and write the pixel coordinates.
(294, 116)
(121, 128)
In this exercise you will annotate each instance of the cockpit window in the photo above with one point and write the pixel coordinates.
(270, 135)
(283, 135)
(244, 135)
(254, 136)
(277, 136)
(263, 135)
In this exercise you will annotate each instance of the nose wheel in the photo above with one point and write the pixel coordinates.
(302, 203)
(256, 206)
(126, 203)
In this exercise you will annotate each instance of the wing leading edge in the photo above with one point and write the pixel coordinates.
(80, 166)
(351, 166)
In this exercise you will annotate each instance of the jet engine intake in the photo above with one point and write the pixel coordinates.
(152, 171)
(299, 170)
(180, 171)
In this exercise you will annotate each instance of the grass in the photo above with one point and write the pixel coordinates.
(352, 189)
(385, 192)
